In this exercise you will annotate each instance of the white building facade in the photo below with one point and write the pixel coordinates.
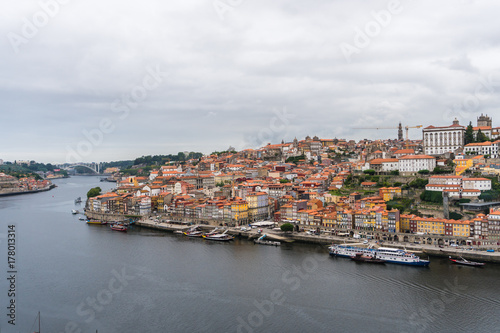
(457, 186)
(482, 148)
(411, 164)
(442, 140)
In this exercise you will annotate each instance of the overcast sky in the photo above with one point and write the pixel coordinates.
(109, 80)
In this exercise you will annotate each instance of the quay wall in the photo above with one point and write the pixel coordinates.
(105, 216)
(4, 194)
(426, 249)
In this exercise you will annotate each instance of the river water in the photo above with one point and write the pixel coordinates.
(84, 278)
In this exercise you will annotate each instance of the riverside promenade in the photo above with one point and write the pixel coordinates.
(467, 252)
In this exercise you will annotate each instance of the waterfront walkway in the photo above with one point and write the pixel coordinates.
(467, 252)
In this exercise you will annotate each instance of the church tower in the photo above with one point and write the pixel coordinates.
(400, 132)
(484, 121)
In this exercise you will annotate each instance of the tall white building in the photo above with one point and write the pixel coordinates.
(411, 164)
(442, 140)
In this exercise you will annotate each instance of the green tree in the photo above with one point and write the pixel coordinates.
(455, 216)
(438, 170)
(369, 172)
(490, 195)
(469, 134)
(295, 159)
(432, 196)
(424, 172)
(415, 212)
(481, 137)
(94, 192)
(287, 227)
(284, 180)
(181, 156)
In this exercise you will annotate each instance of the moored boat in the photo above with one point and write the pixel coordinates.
(262, 241)
(365, 258)
(96, 222)
(219, 237)
(213, 232)
(465, 262)
(193, 232)
(119, 227)
(389, 255)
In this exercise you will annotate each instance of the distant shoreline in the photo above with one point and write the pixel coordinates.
(28, 192)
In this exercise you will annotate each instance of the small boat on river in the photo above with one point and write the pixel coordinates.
(262, 241)
(219, 237)
(119, 227)
(193, 232)
(466, 262)
(96, 222)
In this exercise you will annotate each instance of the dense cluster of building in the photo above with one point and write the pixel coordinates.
(10, 184)
(236, 188)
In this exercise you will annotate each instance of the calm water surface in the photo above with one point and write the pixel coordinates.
(84, 278)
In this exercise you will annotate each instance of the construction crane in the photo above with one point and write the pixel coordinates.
(398, 128)
(379, 128)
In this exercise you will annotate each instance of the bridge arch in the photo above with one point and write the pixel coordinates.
(72, 167)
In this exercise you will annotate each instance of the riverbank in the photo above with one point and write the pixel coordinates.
(5, 194)
(325, 240)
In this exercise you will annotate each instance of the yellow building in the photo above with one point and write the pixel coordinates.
(388, 193)
(461, 165)
(430, 226)
(405, 222)
(330, 220)
(385, 220)
(239, 211)
(461, 228)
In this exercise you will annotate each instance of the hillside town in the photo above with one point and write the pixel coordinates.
(11, 185)
(334, 185)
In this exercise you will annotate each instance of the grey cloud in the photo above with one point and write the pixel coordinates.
(226, 76)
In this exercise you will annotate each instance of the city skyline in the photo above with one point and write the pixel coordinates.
(203, 76)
